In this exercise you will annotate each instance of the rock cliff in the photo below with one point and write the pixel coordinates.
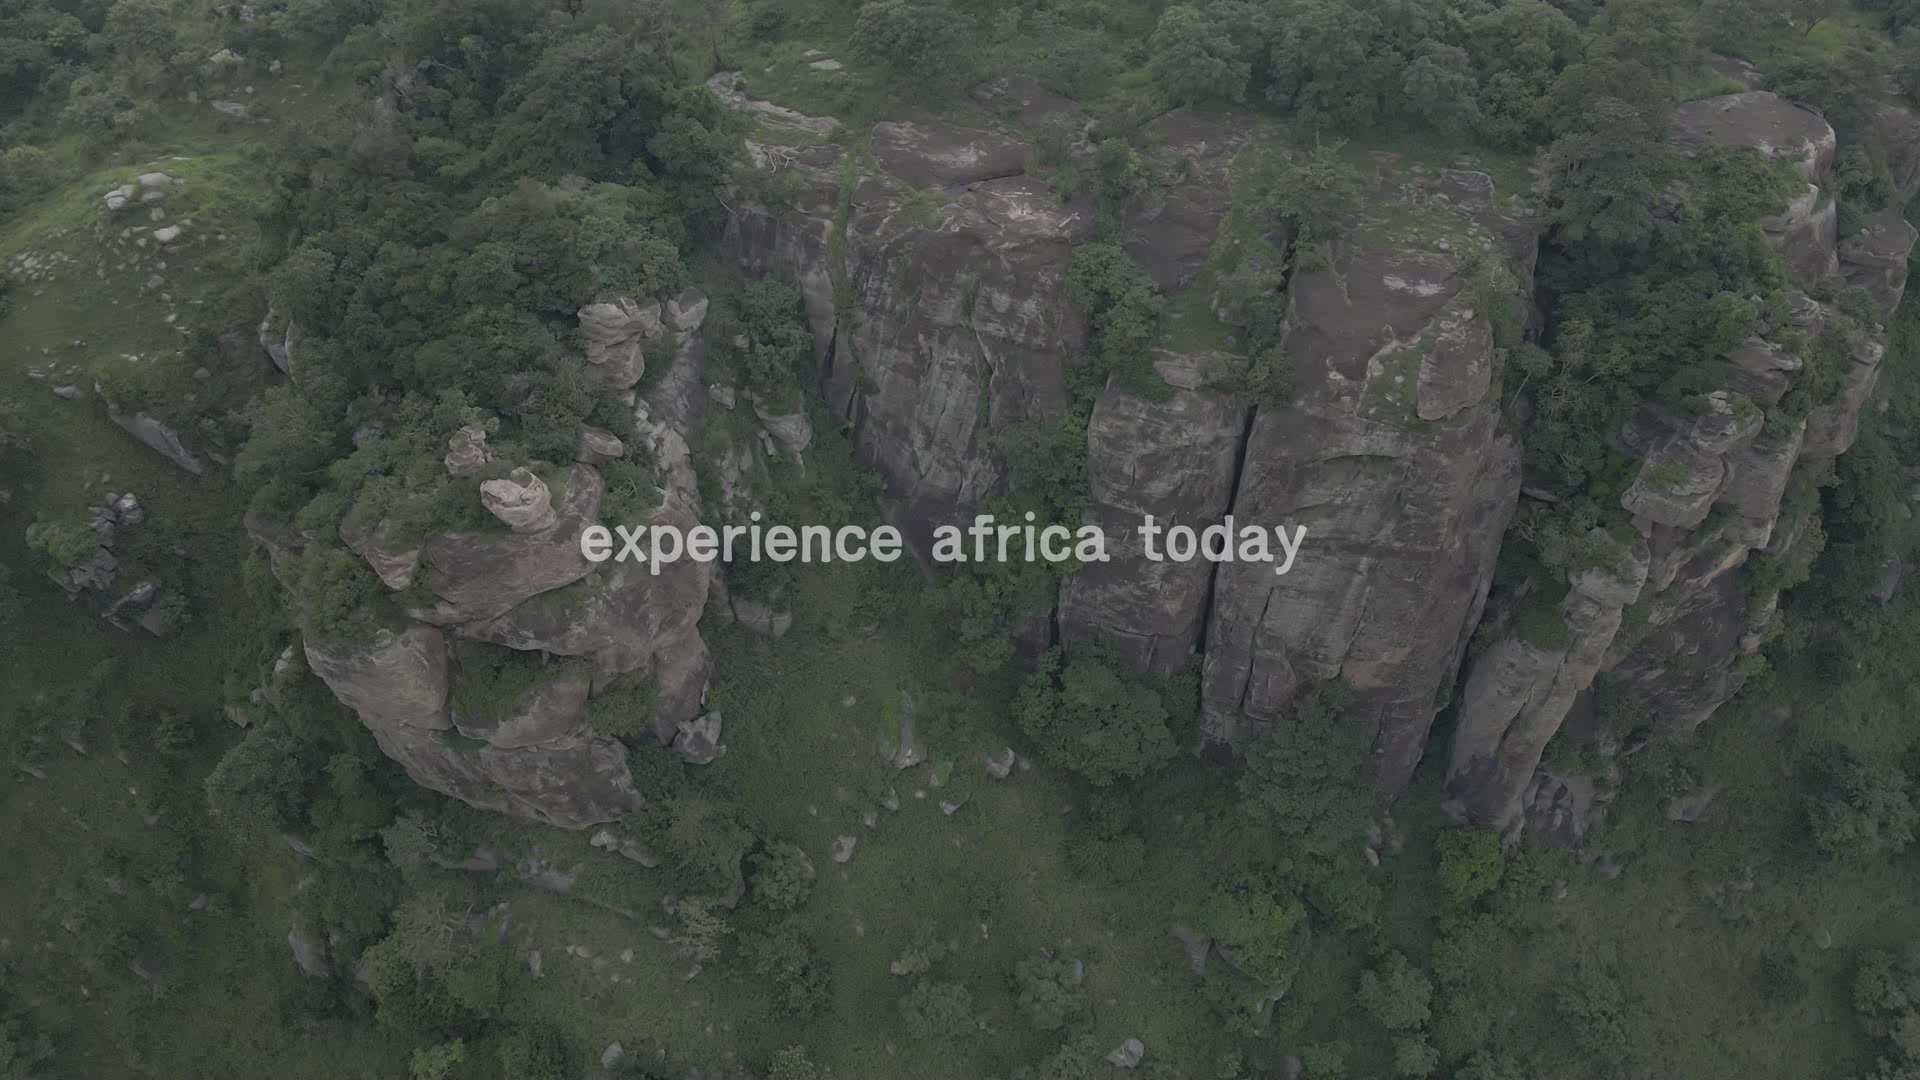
(932, 263)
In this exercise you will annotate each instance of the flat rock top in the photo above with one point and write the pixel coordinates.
(932, 154)
(1885, 234)
(1024, 101)
(1202, 133)
(1761, 120)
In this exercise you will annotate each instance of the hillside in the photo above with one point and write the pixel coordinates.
(1576, 741)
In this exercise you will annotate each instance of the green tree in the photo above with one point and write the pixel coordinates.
(1089, 720)
(1302, 775)
(260, 784)
(910, 38)
(1192, 58)
(1414, 1056)
(1471, 862)
(1857, 808)
(533, 1052)
(1261, 928)
(140, 28)
(937, 1011)
(438, 1062)
(782, 876)
(793, 1063)
(1396, 994)
(1046, 991)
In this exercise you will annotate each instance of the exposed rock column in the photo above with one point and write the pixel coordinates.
(1517, 692)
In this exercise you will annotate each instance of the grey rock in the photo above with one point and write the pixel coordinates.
(729, 87)
(793, 431)
(1762, 121)
(1402, 515)
(761, 618)
(69, 393)
(1875, 258)
(159, 438)
(310, 955)
(396, 566)
(1518, 693)
(1174, 459)
(167, 234)
(467, 453)
(698, 741)
(1128, 1054)
(685, 312)
(1195, 944)
(843, 848)
(613, 334)
(521, 500)
(598, 446)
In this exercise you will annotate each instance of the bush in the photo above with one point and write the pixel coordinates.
(1471, 862)
(1396, 994)
(533, 1052)
(1047, 992)
(937, 1011)
(910, 38)
(782, 877)
(1087, 719)
(1263, 928)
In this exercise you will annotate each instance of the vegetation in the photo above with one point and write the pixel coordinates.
(420, 198)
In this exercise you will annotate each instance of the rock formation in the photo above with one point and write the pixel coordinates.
(932, 269)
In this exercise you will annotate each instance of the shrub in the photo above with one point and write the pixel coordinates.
(1046, 991)
(1471, 862)
(937, 1011)
(1396, 994)
(782, 877)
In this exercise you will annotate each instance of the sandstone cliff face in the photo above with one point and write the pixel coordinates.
(932, 270)
(1668, 639)
(952, 327)
(526, 586)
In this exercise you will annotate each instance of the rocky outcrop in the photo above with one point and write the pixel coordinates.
(953, 332)
(1762, 121)
(1403, 515)
(1874, 258)
(1520, 689)
(612, 335)
(1174, 459)
(159, 438)
(479, 576)
(395, 565)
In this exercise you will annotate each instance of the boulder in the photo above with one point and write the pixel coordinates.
(939, 155)
(521, 500)
(395, 565)
(1128, 1054)
(685, 312)
(598, 446)
(698, 741)
(159, 438)
(309, 955)
(482, 575)
(613, 334)
(467, 453)
(1874, 258)
(552, 709)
